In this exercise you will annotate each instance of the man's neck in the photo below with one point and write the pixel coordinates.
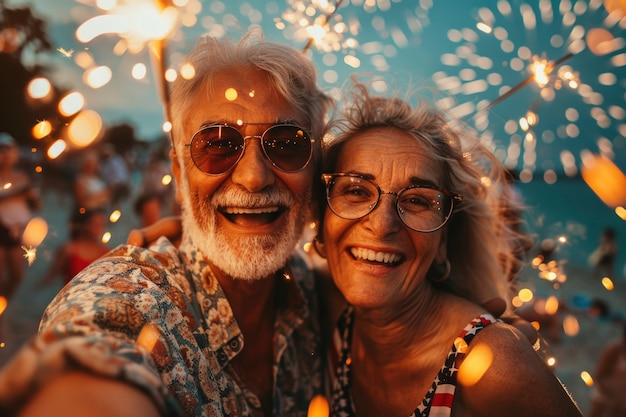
(247, 298)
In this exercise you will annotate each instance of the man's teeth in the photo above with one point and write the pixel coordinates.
(250, 210)
(370, 255)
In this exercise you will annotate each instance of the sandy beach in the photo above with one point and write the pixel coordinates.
(574, 353)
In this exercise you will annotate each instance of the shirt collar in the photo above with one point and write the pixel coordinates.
(218, 326)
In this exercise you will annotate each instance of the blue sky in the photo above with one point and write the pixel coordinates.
(422, 43)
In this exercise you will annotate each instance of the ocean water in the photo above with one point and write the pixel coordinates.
(569, 209)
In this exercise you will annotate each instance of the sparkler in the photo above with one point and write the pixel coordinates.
(542, 71)
(584, 26)
(316, 31)
(139, 23)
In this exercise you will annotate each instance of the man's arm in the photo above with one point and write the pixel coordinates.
(79, 394)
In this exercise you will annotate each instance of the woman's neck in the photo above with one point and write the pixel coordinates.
(400, 327)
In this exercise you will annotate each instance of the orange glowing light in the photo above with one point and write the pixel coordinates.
(97, 77)
(35, 232)
(605, 179)
(475, 365)
(586, 377)
(570, 325)
(525, 295)
(615, 6)
(39, 88)
(461, 345)
(84, 60)
(166, 180)
(551, 361)
(607, 283)
(71, 104)
(106, 237)
(318, 407)
(3, 304)
(42, 129)
(552, 305)
(599, 41)
(148, 337)
(115, 216)
(621, 212)
(187, 71)
(85, 128)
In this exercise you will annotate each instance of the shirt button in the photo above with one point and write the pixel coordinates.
(234, 345)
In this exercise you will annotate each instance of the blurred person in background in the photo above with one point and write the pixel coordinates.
(155, 197)
(91, 192)
(18, 199)
(83, 246)
(608, 398)
(602, 259)
(115, 172)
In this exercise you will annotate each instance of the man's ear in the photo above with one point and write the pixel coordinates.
(176, 172)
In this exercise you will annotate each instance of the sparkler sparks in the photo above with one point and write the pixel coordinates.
(565, 24)
(67, 54)
(30, 254)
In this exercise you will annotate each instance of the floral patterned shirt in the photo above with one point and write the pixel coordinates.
(158, 319)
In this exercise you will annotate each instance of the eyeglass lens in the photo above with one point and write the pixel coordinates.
(420, 208)
(216, 149)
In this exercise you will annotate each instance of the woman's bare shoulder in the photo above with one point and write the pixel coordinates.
(502, 374)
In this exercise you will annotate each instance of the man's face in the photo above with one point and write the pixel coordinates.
(248, 220)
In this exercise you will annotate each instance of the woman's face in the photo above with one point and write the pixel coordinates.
(393, 160)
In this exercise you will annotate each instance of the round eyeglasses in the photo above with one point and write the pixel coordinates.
(216, 149)
(422, 208)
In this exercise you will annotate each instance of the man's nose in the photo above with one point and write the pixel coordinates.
(253, 171)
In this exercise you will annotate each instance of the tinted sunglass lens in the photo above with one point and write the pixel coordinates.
(216, 149)
(288, 147)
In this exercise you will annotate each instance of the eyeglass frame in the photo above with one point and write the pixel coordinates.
(245, 137)
(454, 197)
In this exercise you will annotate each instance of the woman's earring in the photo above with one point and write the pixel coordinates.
(319, 247)
(440, 272)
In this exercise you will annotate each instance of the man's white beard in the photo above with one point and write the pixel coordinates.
(247, 257)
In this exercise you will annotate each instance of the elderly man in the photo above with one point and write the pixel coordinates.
(226, 323)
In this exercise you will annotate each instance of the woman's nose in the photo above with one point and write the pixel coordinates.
(384, 219)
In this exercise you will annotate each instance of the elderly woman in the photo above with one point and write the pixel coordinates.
(416, 238)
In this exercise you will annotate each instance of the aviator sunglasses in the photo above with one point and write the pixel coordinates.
(216, 149)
